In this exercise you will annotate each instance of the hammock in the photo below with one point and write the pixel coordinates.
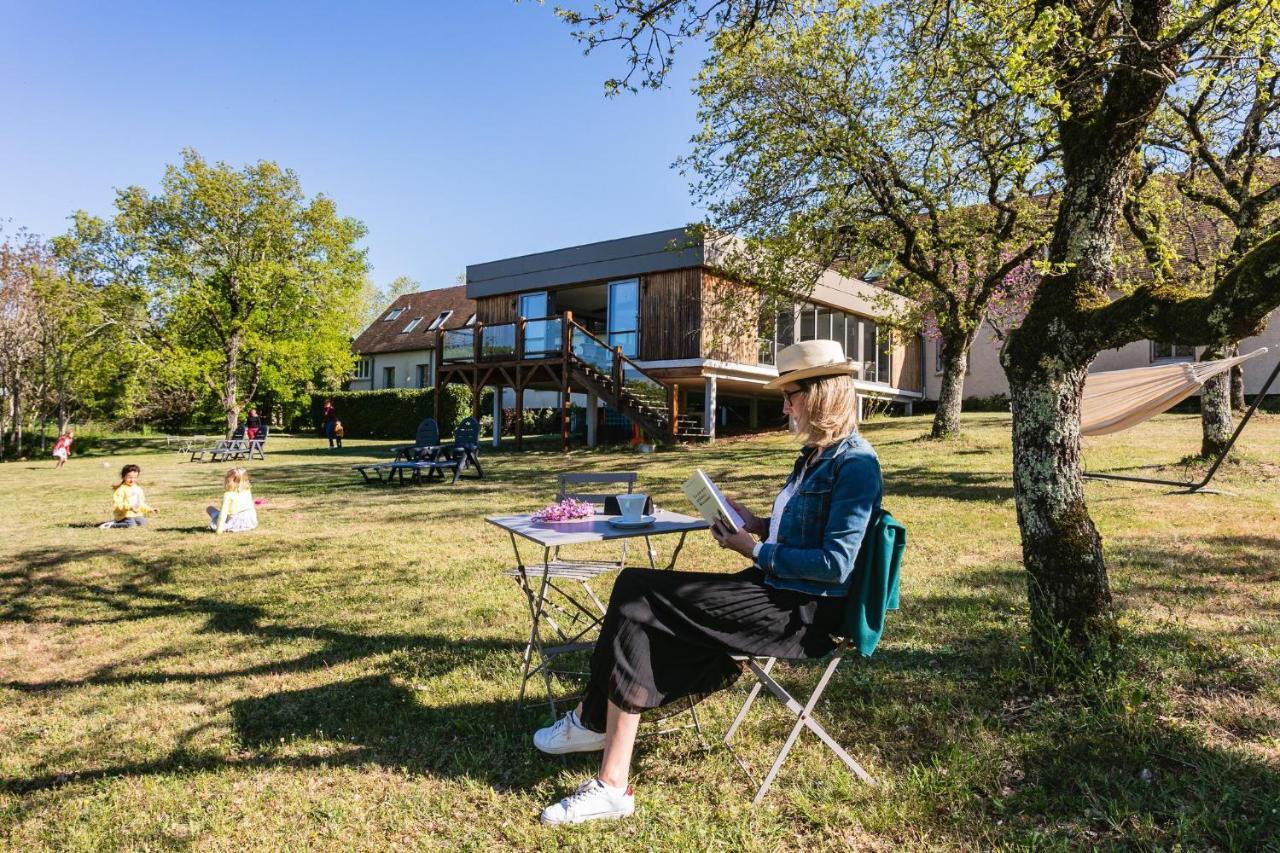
(1115, 400)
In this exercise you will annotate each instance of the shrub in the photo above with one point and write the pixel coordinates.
(393, 413)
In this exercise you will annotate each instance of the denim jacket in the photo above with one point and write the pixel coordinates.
(824, 522)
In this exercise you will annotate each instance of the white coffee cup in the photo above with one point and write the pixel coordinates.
(632, 505)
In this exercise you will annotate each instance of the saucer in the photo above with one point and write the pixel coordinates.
(642, 521)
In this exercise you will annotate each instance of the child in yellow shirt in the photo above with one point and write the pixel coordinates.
(237, 511)
(128, 503)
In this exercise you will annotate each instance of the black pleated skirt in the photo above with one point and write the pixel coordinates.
(668, 635)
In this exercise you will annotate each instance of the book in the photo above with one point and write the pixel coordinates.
(710, 501)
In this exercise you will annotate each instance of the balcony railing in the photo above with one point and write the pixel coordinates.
(526, 338)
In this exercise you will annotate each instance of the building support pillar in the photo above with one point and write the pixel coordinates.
(753, 414)
(519, 412)
(593, 418)
(709, 408)
(497, 416)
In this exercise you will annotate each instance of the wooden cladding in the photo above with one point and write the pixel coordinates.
(496, 309)
(671, 315)
(731, 320)
(906, 365)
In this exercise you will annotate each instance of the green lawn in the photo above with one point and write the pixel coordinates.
(345, 676)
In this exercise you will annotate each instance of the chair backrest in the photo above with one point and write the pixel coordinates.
(428, 433)
(873, 588)
(467, 432)
(595, 487)
(261, 434)
(238, 434)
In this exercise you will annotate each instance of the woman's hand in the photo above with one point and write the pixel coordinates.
(741, 541)
(750, 521)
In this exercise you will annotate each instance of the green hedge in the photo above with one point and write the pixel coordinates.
(396, 413)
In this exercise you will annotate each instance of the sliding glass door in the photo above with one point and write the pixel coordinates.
(624, 316)
(537, 332)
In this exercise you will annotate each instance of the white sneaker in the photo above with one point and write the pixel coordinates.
(568, 734)
(594, 800)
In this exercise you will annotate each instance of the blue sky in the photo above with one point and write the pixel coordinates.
(458, 131)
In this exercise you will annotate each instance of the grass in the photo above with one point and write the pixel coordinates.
(345, 676)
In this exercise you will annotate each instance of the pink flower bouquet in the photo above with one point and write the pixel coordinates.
(566, 510)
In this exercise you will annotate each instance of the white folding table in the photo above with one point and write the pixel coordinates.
(536, 582)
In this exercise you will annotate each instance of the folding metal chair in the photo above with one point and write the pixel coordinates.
(873, 590)
(803, 714)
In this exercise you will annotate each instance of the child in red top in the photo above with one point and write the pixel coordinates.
(62, 448)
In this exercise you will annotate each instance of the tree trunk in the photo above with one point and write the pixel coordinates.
(955, 362)
(1067, 584)
(230, 385)
(1237, 387)
(1215, 408)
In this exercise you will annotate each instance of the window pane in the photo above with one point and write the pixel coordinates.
(808, 323)
(823, 329)
(624, 315)
(533, 304)
(786, 332)
(851, 337)
(869, 350)
(884, 354)
(837, 328)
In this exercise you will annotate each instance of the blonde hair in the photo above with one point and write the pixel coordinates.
(237, 480)
(831, 410)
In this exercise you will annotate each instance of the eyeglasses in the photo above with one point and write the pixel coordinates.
(790, 394)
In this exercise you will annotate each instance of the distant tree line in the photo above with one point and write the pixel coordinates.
(224, 288)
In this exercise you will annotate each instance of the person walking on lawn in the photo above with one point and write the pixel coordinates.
(670, 635)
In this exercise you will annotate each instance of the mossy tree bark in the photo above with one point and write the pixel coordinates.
(1215, 408)
(955, 364)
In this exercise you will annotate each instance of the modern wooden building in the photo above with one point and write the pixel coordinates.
(642, 326)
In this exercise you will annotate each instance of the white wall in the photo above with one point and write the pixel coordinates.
(986, 376)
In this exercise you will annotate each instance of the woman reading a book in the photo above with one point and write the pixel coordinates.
(671, 635)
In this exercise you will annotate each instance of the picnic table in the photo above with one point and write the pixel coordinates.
(536, 580)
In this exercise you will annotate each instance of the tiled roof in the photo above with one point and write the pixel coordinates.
(389, 336)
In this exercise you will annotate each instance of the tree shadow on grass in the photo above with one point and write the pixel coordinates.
(135, 599)
(925, 482)
(355, 723)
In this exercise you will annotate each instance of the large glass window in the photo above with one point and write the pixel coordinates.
(851, 337)
(624, 315)
(822, 329)
(808, 323)
(1167, 352)
(536, 334)
(869, 350)
(884, 355)
(786, 333)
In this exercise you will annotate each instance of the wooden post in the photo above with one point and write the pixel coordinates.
(497, 416)
(519, 351)
(754, 417)
(476, 345)
(566, 340)
(593, 418)
(615, 374)
(519, 411)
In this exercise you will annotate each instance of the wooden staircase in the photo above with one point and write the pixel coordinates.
(655, 417)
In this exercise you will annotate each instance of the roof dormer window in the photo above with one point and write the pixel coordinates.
(394, 314)
(471, 321)
(413, 324)
(439, 321)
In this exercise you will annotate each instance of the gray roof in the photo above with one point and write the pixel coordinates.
(627, 256)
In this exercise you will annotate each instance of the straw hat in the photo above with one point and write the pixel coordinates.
(808, 359)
